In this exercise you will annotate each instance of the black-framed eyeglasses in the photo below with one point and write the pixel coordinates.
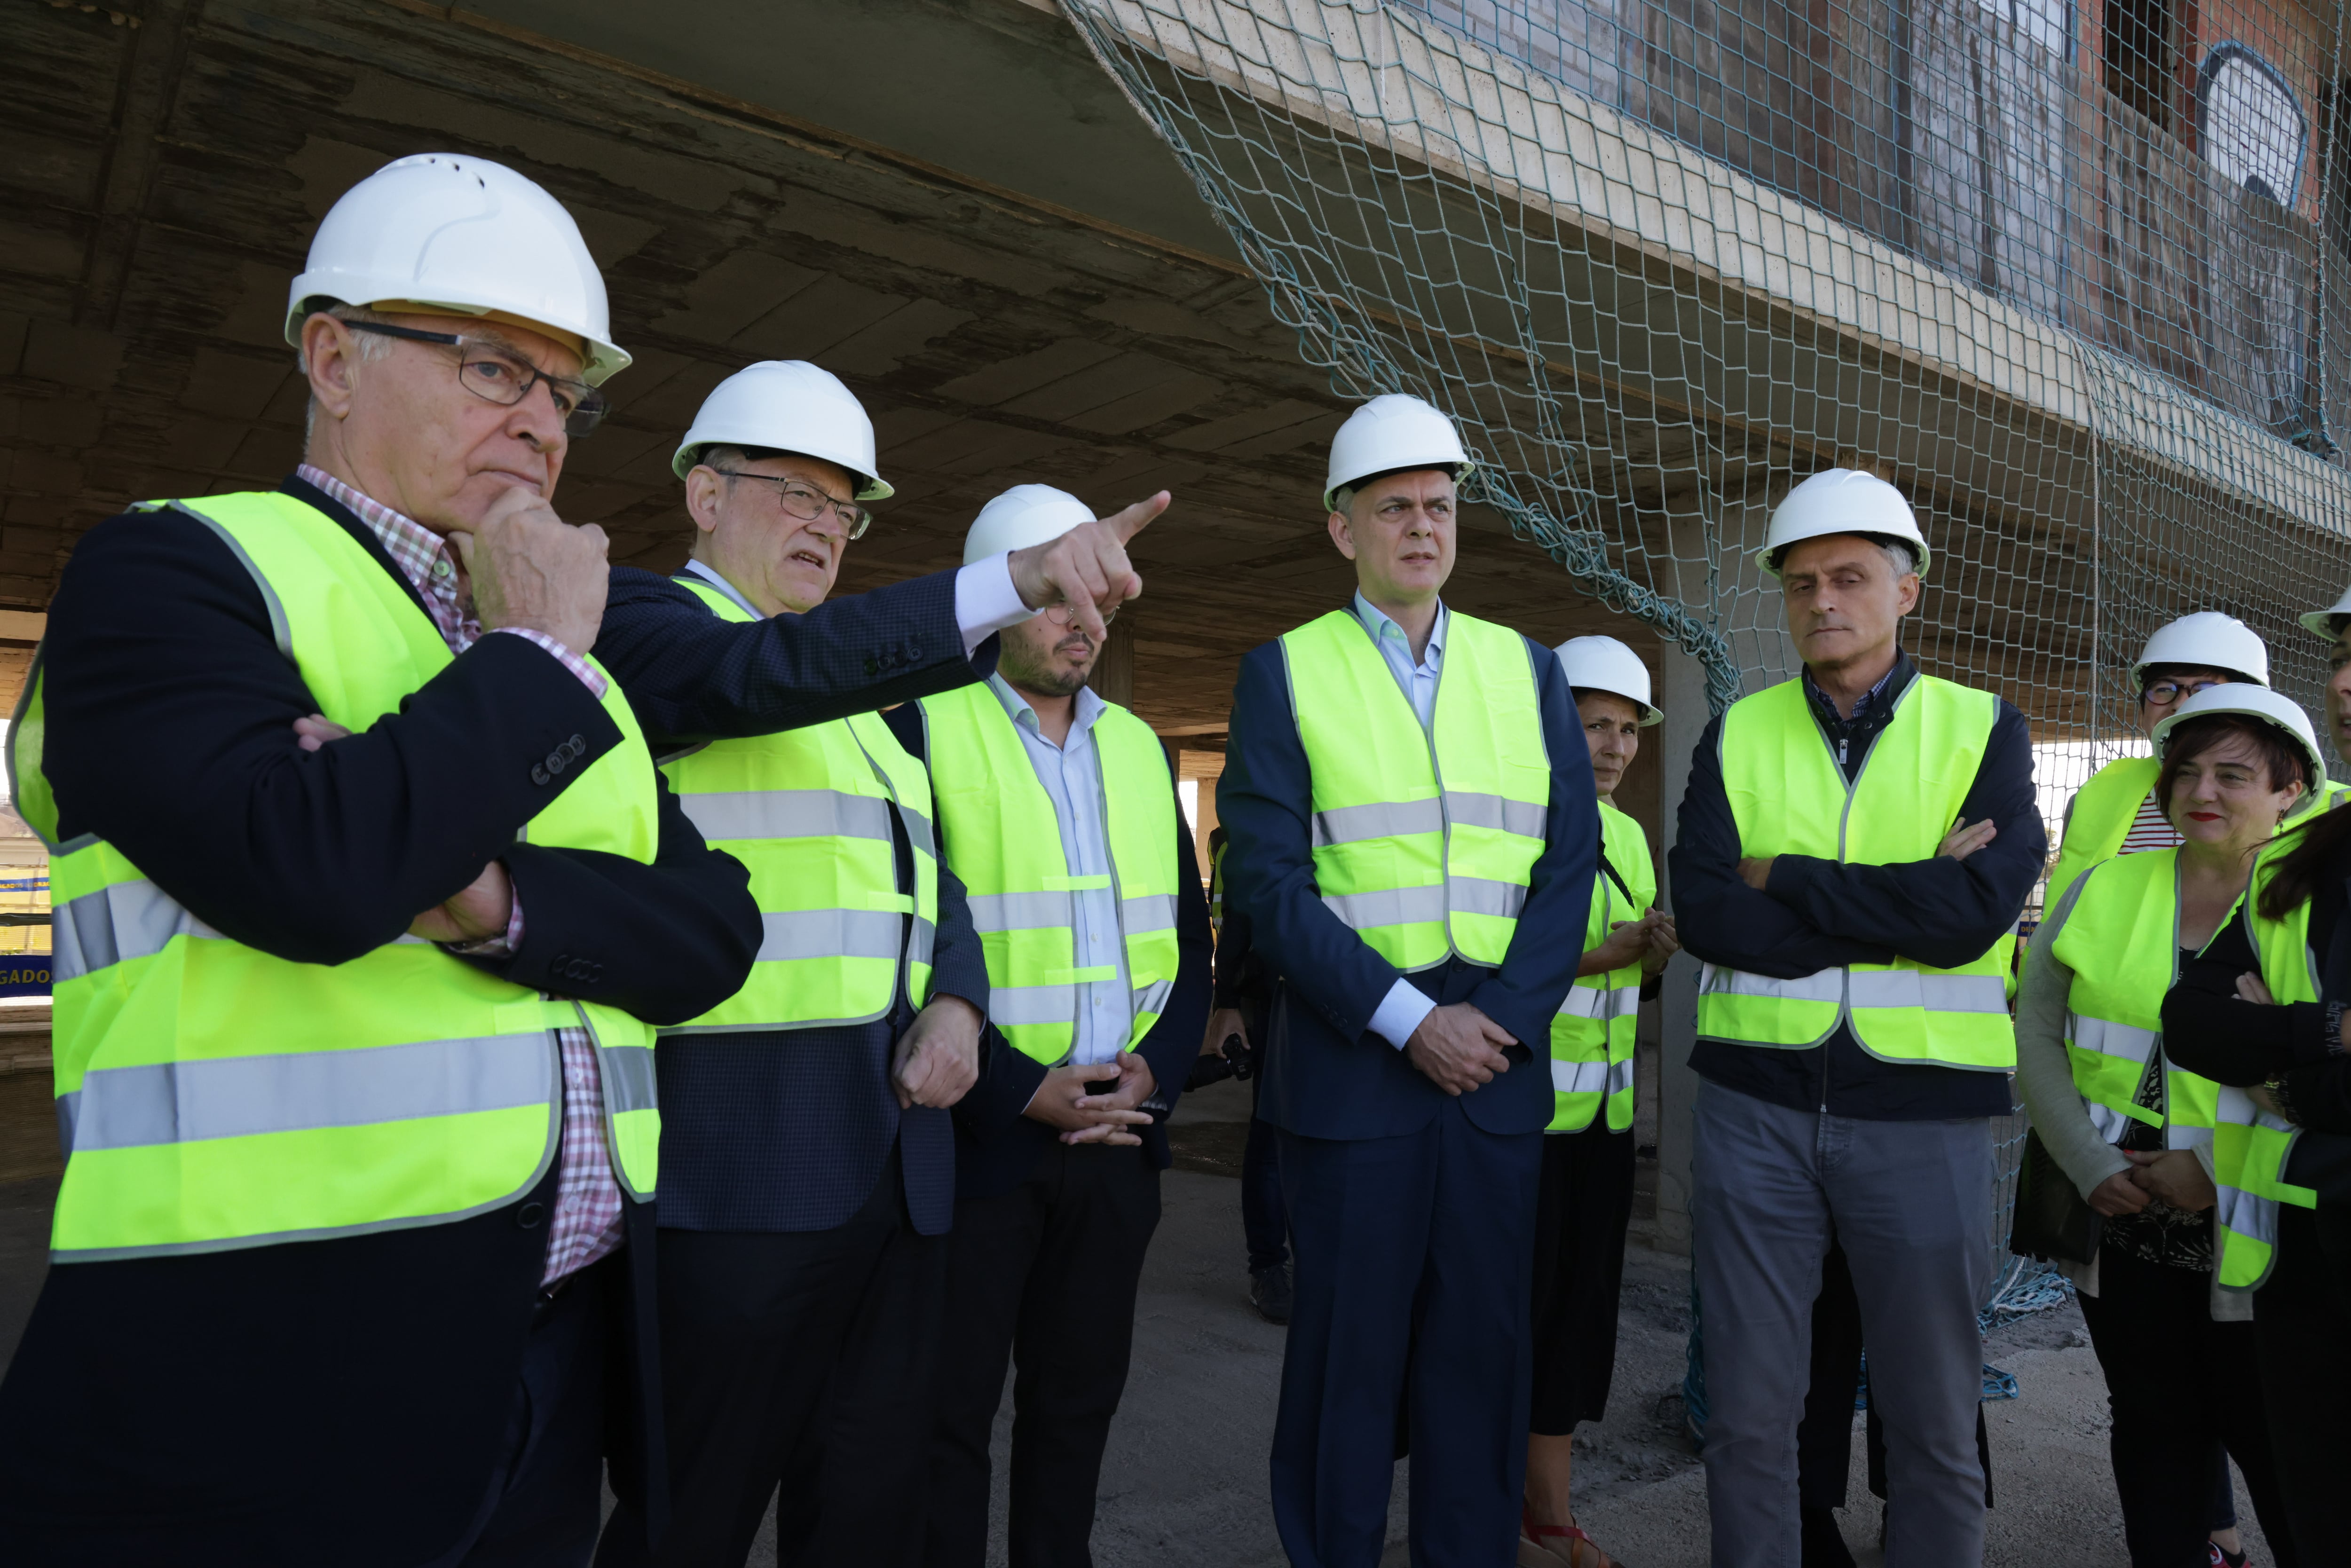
(802, 500)
(2163, 692)
(499, 375)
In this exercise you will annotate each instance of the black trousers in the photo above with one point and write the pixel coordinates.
(1043, 1276)
(756, 1328)
(547, 1499)
(2178, 1382)
(1582, 1209)
(2303, 1351)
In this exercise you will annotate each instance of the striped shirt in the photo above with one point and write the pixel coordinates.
(2150, 829)
(588, 1222)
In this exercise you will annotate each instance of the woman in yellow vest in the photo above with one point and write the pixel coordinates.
(1584, 1202)
(2134, 1129)
(2262, 1013)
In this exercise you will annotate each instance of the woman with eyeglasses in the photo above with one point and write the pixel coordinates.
(2135, 1130)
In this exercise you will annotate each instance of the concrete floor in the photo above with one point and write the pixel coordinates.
(1184, 1484)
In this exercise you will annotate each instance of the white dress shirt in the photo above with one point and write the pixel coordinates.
(1072, 775)
(1401, 1011)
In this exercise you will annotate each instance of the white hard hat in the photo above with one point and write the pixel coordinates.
(2322, 621)
(462, 236)
(786, 405)
(1605, 665)
(1023, 515)
(2207, 639)
(1841, 501)
(1388, 433)
(2253, 701)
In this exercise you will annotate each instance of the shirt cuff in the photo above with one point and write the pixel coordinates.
(570, 661)
(986, 601)
(505, 947)
(1400, 1012)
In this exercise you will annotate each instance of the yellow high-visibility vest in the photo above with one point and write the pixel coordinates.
(213, 1096)
(2121, 941)
(997, 832)
(808, 812)
(1424, 841)
(1593, 1035)
(1788, 796)
(2250, 1146)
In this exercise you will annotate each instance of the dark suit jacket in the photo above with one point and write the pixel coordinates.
(787, 1130)
(1326, 1075)
(267, 1397)
(997, 1147)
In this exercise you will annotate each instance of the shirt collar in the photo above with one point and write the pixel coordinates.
(1090, 707)
(1380, 625)
(722, 586)
(1868, 700)
(416, 549)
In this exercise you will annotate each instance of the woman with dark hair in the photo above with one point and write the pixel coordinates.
(2134, 1128)
(2260, 1012)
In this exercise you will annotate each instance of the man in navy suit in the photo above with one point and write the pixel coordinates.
(1414, 837)
(802, 1255)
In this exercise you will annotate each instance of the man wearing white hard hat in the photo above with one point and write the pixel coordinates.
(2116, 812)
(1414, 833)
(1057, 812)
(1584, 1204)
(2331, 625)
(370, 901)
(1855, 847)
(809, 1163)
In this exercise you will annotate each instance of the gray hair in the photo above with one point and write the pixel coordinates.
(1900, 554)
(365, 345)
(1343, 498)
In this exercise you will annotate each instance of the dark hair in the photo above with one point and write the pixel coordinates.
(2283, 762)
(2317, 846)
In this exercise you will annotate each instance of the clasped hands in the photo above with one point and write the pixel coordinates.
(2175, 1177)
(1074, 1101)
(1651, 940)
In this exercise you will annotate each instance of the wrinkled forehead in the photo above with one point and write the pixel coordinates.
(1595, 706)
(556, 356)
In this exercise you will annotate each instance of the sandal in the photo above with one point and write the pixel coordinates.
(1576, 1550)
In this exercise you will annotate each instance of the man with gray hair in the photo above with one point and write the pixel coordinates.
(1855, 847)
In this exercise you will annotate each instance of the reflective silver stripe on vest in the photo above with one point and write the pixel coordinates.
(2241, 1212)
(1394, 906)
(1819, 986)
(127, 920)
(1500, 812)
(629, 1078)
(1934, 993)
(926, 938)
(1598, 1003)
(1010, 1004)
(918, 830)
(738, 814)
(240, 1096)
(2110, 1123)
(1592, 1077)
(831, 934)
(1148, 912)
(1479, 895)
(1021, 911)
(1152, 998)
(1379, 819)
(2103, 1037)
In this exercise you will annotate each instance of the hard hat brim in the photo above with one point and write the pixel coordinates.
(1767, 558)
(1457, 469)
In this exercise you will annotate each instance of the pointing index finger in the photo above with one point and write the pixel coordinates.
(1132, 521)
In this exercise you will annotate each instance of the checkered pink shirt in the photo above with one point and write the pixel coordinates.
(587, 1224)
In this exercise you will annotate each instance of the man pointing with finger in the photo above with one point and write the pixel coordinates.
(1414, 835)
(369, 901)
(1855, 847)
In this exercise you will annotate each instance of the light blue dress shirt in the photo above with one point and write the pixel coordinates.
(1071, 776)
(1401, 1011)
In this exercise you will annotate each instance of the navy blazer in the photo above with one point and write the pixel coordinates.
(1326, 1075)
(169, 734)
(787, 1130)
(997, 1147)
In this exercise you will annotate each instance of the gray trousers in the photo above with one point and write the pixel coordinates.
(1911, 1204)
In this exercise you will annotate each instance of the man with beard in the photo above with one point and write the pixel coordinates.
(1057, 812)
